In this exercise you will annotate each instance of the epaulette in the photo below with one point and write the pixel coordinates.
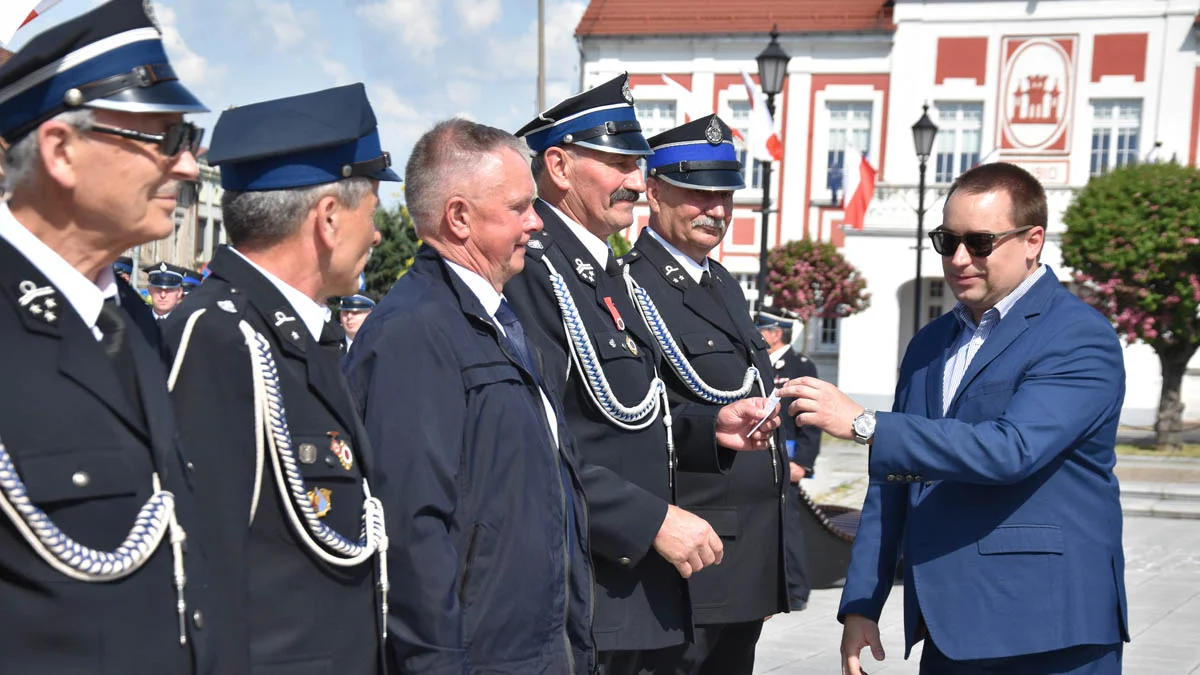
(631, 257)
(537, 244)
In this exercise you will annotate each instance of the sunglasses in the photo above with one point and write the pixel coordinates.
(979, 244)
(174, 140)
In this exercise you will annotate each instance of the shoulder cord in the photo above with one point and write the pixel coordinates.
(271, 422)
(78, 562)
(583, 355)
(679, 363)
(683, 368)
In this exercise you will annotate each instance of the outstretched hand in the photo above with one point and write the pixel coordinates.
(735, 420)
(821, 405)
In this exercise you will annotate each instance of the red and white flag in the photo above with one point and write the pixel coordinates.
(764, 143)
(693, 106)
(14, 14)
(858, 187)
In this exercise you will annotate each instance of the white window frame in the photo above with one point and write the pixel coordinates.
(953, 142)
(840, 93)
(667, 119)
(739, 118)
(841, 133)
(1117, 131)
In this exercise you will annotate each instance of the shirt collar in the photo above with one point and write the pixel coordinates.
(1000, 310)
(488, 297)
(780, 353)
(313, 314)
(596, 246)
(85, 297)
(693, 268)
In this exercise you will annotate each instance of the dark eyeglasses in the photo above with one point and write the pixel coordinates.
(177, 137)
(979, 244)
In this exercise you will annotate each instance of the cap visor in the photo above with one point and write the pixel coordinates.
(705, 180)
(387, 175)
(164, 97)
(632, 143)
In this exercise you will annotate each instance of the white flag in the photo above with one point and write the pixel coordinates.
(692, 105)
(764, 143)
(17, 13)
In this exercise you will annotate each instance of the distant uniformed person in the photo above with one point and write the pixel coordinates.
(352, 311)
(701, 322)
(135, 305)
(803, 444)
(166, 290)
(259, 391)
(100, 567)
(574, 297)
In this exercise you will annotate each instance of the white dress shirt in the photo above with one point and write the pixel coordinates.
(694, 269)
(594, 245)
(312, 313)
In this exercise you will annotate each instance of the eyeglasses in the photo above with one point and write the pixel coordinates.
(177, 137)
(979, 244)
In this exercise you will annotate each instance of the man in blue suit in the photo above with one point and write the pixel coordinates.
(993, 475)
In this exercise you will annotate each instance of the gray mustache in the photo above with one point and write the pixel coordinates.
(623, 195)
(710, 222)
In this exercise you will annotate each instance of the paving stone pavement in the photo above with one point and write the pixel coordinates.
(1162, 582)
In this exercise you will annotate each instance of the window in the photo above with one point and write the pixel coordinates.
(829, 333)
(849, 124)
(960, 133)
(739, 119)
(655, 116)
(1116, 134)
(748, 281)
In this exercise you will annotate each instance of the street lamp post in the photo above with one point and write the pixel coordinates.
(772, 68)
(924, 132)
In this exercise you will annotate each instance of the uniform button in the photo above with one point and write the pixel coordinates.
(191, 467)
(80, 479)
(623, 561)
(330, 461)
(710, 343)
(198, 620)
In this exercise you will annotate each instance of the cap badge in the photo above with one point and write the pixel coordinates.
(341, 450)
(320, 498)
(626, 93)
(713, 133)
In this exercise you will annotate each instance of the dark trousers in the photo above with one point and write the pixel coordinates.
(721, 649)
(649, 662)
(1080, 660)
(793, 543)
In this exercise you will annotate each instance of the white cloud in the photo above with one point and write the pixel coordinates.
(477, 15)
(283, 22)
(416, 22)
(463, 93)
(518, 55)
(193, 69)
(335, 69)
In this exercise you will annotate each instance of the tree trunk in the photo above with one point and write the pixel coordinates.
(1168, 427)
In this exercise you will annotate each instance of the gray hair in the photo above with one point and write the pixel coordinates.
(24, 155)
(445, 157)
(265, 218)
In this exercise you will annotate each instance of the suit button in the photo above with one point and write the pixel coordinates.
(918, 478)
(80, 479)
(891, 477)
(198, 620)
(928, 483)
(624, 561)
(909, 478)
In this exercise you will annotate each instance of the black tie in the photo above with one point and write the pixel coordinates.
(613, 269)
(516, 337)
(112, 324)
(333, 338)
(706, 283)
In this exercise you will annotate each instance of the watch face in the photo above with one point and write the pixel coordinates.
(864, 425)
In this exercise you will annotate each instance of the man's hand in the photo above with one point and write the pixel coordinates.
(688, 542)
(822, 405)
(858, 632)
(736, 420)
(797, 472)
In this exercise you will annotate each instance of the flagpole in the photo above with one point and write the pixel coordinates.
(541, 46)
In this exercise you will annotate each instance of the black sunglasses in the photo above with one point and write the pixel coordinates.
(174, 140)
(979, 244)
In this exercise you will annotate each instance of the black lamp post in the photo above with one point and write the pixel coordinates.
(924, 132)
(772, 68)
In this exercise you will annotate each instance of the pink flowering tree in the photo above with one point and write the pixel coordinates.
(813, 280)
(1133, 239)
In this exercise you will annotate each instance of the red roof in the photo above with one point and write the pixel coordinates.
(690, 17)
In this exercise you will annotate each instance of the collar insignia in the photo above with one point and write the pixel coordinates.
(38, 301)
(585, 270)
(281, 318)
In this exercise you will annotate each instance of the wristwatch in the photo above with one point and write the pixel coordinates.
(864, 427)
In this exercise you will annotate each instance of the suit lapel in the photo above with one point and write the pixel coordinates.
(936, 368)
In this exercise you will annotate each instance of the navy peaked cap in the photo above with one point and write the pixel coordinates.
(123, 264)
(310, 139)
(110, 58)
(768, 320)
(698, 155)
(164, 275)
(356, 303)
(601, 118)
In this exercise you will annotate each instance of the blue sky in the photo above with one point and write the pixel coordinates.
(422, 60)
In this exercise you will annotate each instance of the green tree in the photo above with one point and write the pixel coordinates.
(394, 254)
(814, 280)
(1133, 239)
(619, 244)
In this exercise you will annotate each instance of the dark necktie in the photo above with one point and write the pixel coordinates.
(333, 338)
(706, 282)
(112, 323)
(613, 269)
(515, 335)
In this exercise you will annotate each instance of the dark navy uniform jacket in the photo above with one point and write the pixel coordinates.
(86, 453)
(285, 610)
(489, 567)
(744, 504)
(641, 602)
